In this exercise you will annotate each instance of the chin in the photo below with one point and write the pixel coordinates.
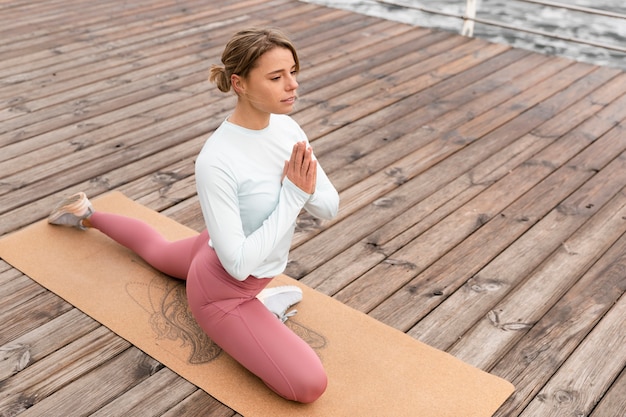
(289, 108)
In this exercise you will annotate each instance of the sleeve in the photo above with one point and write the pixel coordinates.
(240, 255)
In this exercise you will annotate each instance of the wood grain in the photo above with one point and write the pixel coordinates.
(482, 191)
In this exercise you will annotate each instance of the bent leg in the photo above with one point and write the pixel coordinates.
(171, 258)
(270, 350)
(227, 310)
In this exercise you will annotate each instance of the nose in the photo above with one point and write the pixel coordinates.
(292, 84)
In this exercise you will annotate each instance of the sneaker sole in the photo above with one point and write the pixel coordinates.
(268, 292)
(76, 204)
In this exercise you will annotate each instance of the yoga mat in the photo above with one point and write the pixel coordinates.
(373, 369)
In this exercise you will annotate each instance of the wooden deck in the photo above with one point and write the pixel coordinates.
(483, 191)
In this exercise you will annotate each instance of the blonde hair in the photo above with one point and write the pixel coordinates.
(243, 50)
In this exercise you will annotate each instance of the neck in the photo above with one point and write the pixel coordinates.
(248, 117)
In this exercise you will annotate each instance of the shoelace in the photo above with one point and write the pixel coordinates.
(285, 316)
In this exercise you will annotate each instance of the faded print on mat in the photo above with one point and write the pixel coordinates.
(165, 301)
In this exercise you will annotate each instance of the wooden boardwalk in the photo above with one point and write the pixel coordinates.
(483, 191)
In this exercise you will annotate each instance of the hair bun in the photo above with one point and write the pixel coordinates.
(217, 75)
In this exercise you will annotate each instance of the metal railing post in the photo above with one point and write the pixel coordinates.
(468, 18)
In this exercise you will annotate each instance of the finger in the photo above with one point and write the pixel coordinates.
(312, 172)
(307, 157)
(302, 159)
(311, 177)
(301, 152)
(294, 152)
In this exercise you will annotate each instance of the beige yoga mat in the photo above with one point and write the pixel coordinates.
(373, 369)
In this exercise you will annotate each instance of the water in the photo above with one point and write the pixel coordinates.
(567, 23)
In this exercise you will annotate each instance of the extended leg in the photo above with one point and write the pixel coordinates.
(170, 257)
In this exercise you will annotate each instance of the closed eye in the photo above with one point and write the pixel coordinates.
(278, 74)
(278, 77)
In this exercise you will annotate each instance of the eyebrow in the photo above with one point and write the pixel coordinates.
(280, 70)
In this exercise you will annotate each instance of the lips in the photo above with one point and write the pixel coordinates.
(289, 100)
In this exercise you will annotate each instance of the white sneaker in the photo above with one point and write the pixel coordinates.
(72, 211)
(279, 299)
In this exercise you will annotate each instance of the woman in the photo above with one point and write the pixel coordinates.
(254, 175)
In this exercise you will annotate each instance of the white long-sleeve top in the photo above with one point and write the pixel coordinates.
(250, 215)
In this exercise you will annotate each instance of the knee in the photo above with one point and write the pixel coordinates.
(310, 386)
(302, 387)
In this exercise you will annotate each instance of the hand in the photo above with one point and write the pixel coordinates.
(301, 168)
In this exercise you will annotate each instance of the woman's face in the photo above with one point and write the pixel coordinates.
(271, 85)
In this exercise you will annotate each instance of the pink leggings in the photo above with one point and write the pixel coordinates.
(226, 309)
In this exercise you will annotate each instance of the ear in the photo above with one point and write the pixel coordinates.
(237, 83)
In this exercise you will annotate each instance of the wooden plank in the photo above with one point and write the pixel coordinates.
(25, 155)
(76, 42)
(46, 114)
(415, 112)
(405, 85)
(500, 86)
(431, 131)
(557, 334)
(112, 378)
(38, 193)
(342, 40)
(30, 314)
(132, 402)
(482, 289)
(543, 238)
(437, 234)
(46, 171)
(94, 25)
(614, 402)
(47, 376)
(352, 47)
(200, 404)
(147, 165)
(582, 380)
(321, 25)
(15, 291)
(416, 299)
(188, 212)
(419, 137)
(391, 119)
(43, 20)
(7, 274)
(317, 91)
(85, 77)
(4, 266)
(127, 106)
(34, 108)
(368, 86)
(165, 189)
(98, 76)
(112, 153)
(42, 341)
(428, 80)
(461, 158)
(508, 321)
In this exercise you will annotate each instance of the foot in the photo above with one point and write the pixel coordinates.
(72, 211)
(279, 299)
